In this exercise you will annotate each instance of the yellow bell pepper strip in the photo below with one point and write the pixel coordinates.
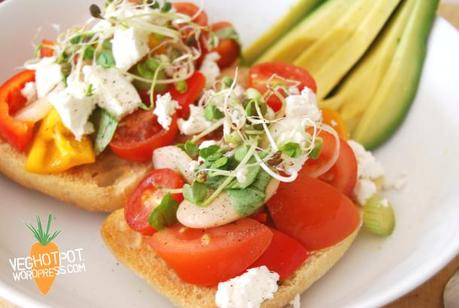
(55, 149)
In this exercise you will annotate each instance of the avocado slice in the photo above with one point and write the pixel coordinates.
(307, 32)
(296, 13)
(360, 85)
(399, 86)
(333, 56)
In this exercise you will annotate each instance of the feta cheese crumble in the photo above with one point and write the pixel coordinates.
(165, 107)
(129, 47)
(29, 91)
(210, 69)
(48, 75)
(368, 171)
(74, 109)
(115, 92)
(303, 105)
(249, 290)
(196, 123)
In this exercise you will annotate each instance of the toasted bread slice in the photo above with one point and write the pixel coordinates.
(130, 248)
(102, 186)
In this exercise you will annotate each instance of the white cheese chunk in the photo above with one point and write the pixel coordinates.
(368, 171)
(165, 108)
(196, 123)
(115, 92)
(207, 143)
(248, 290)
(48, 75)
(209, 68)
(29, 91)
(129, 47)
(290, 129)
(303, 105)
(74, 109)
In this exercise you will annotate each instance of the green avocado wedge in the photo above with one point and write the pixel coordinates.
(349, 99)
(296, 13)
(397, 90)
(307, 32)
(334, 55)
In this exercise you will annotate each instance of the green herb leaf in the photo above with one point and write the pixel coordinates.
(291, 149)
(241, 152)
(250, 178)
(165, 214)
(88, 53)
(76, 39)
(167, 6)
(106, 126)
(190, 148)
(247, 201)
(89, 90)
(211, 112)
(315, 153)
(106, 59)
(219, 163)
(195, 193)
(227, 82)
(210, 153)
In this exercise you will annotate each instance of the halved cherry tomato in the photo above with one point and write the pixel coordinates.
(188, 35)
(147, 196)
(283, 256)
(46, 49)
(191, 9)
(209, 256)
(261, 217)
(326, 154)
(343, 175)
(259, 74)
(334, 119)
(139, 134)
(228, 48)
(313, 212)
(195, 86)
(17, 133)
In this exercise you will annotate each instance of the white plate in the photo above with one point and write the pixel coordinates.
(373, 273)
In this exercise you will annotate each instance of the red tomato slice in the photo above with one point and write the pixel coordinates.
(147, 196)
(283, 256)
(17, 133)
(343, 175)
(139, 134)
(228, 49)
(313, 166)
(313, 212)
(207, 257)
(191, 9)
(46, 49)
(195, 86)
(260, 73)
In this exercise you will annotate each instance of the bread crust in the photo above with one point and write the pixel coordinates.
(100, 187)
(131, 249)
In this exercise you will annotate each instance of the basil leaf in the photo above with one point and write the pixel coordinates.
(165, 214)
(219, 163)
(212, 113)
(211, 153)
(106, 59)
(189, 148)
(240, 153)
(195, 193)
(247, 201)
(291, 149)
(88, 53)
(106, 126)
